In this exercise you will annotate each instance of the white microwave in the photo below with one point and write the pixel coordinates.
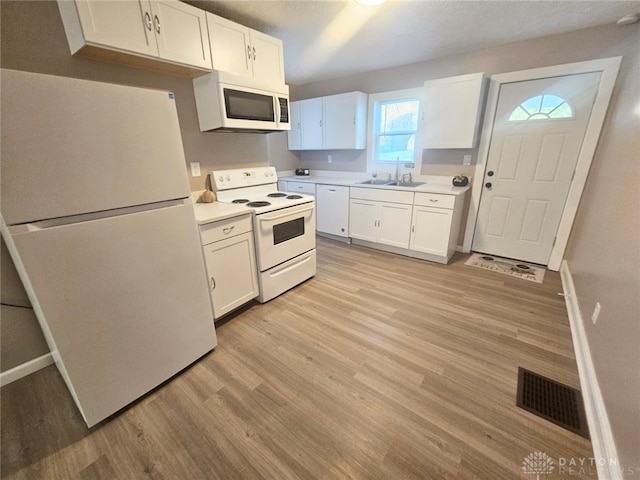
(233, 103)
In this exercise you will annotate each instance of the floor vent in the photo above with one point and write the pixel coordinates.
(552, 401)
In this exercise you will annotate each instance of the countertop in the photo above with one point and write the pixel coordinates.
(212, 212)
(428, 187)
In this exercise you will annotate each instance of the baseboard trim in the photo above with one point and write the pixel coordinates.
(604, 447)
(27, 368)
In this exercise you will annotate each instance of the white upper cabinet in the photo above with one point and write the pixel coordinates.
(335, 122)
(294, 136)
(311, 124)
(345, 118)
(452, 110)
(137, 32)
(122, 25)
(242, 51)
(181, 33)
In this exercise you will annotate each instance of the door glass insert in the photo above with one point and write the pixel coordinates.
(542, 107)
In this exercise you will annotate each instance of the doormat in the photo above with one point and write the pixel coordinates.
(506, 266)
(552, 401)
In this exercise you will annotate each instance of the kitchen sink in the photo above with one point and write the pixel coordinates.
(405, 184)
(374, 181)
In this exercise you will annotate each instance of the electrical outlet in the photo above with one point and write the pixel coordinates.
(466, 160)
(329, 158)
(596, 313)
(195, 169)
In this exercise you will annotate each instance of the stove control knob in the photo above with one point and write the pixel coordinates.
(266, 174)
(228, 178)
(271, 174)
(221, 178)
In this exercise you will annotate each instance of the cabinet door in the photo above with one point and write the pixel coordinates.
(430, 230)
(126, 26)
(231, 267)
(344, 119)
(181, 33)
(294, 136)
(267, 56)
(230, 50)
(363, 220)
(311, 121)
(332, 210)
(395, 224)
(452, 109)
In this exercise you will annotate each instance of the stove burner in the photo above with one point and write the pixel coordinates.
(261, 203)
(294, 197)
(240, 200)
(277, 194)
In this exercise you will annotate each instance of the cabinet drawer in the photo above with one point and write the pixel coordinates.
(215, 231)
(302, 187)
(380, 195)
(435, 200)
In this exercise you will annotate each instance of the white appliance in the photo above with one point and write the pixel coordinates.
(227, 102)
(284, 226)
(96, 216)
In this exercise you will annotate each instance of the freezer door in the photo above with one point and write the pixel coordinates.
(73, 146)
(125, 299)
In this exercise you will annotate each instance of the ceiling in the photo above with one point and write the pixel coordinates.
(326, 39)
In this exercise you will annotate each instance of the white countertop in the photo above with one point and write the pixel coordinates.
(437, 186)
(211, 212)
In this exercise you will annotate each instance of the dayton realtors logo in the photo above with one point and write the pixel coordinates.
(537, 463)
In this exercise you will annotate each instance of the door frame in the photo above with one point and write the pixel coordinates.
(609, 68)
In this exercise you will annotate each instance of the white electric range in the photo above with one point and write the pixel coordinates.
(284, 226)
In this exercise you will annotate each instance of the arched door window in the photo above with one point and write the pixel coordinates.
(542, 107)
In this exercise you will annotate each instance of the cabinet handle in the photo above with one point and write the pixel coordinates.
(248, 52)
(354, 120)
(156, 23)
(228, 229)
(213, 284)
(254, 53)
(147, 21)
(332, 189)
(413, 229)
(320, 122)
(433, 200)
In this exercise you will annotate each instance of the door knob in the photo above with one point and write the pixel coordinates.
(488, 184)
(490, 173)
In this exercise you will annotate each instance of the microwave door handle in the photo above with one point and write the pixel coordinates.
(282, 215)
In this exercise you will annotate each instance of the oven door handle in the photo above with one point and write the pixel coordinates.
(288, 213)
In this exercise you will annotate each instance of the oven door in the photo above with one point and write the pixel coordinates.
(285, 234)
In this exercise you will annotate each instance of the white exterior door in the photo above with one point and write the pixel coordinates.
(537, 136)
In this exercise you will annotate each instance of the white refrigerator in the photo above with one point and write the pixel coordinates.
(96, 215)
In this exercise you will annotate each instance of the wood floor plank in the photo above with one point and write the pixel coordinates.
(379, 367)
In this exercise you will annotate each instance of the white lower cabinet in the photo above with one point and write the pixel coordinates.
(380, 216)
(332, 210)
(231, 263)
(430, 230)
(435, 225)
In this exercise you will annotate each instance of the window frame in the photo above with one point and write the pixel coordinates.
(384, 97)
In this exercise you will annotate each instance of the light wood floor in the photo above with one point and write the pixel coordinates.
(380, 367)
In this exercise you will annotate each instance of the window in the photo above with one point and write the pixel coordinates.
(542, 107)
(395, 127)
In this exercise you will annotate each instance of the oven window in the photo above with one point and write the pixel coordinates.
(288, 230)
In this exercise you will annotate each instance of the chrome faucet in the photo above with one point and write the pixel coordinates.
(404, 177)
